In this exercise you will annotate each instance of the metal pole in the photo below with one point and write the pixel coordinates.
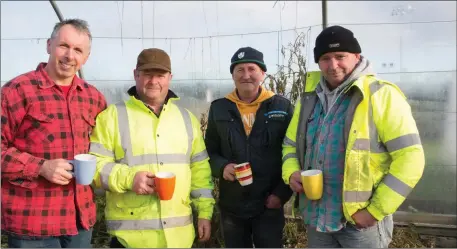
(56, 9)
(324, 14)
(60, 16)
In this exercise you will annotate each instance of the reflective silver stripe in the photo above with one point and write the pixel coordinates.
(199, 157)
(151, 224)
(371, 144)
(357, 196)
(156, 158)
(361, 144)
(288, 141)
(100, 149)
(207, 193)
(403, 142)
(188, 124)
(394, 144)
(375, 86)
(104, 175)
(131, 160)
(376, 146)
(124, 131)
(289, 155)
(397, 185)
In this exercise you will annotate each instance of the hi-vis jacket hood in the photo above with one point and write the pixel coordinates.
(128, 138)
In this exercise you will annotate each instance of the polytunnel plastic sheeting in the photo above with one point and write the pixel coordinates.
(27, 19)
(432, 98)
(415, 47)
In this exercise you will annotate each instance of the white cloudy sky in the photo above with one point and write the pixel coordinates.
(421, 45)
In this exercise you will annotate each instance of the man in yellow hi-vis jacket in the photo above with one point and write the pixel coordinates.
(134, 140)
(359, 131)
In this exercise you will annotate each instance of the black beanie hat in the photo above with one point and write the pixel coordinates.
(247, 54)
(335, 39)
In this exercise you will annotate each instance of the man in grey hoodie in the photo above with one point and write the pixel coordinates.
(321, 141)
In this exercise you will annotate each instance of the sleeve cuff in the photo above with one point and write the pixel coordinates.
(223, 164)
(287, 178)
(283, 192)
(129, 180)
(375, 212)
(205, 214)
(31, 164)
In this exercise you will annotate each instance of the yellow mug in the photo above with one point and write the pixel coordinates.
(312, 182)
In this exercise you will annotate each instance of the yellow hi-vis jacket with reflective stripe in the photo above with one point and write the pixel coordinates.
(128, 138)
(384, 156)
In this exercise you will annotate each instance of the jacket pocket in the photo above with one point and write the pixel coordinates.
(36, 116)
(130, 199)
(377, 172)
(226, 125)
(38, 126)
(230, 192)
(85, 122)
(89, 118)
(36, 113)
(275, 132)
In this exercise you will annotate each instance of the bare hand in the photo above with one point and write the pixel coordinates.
(143, 183)
(204, 230)
(364, 219)
(56, 171)
(295, 182)
(273, 202)
(229, 172)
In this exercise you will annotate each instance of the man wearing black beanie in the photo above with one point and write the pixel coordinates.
(358, 130)
(249, 125)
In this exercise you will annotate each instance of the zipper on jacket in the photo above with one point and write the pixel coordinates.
(236, 114)
(248, 156)
(256, 121)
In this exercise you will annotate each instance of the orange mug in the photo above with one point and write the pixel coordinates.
(165, 185)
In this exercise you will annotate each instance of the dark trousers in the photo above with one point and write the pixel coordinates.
(262, 231)
(115, 243)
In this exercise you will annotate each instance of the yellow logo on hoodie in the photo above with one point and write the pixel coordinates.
(248, 119)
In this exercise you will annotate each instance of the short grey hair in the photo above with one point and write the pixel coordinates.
(78, 24)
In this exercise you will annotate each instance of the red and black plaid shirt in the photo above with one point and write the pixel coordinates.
(40, 123)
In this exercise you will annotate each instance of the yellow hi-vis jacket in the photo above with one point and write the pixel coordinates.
(384, 156)
(129, 137)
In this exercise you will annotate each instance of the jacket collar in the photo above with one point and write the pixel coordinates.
(264, 105)
(362, 84)
(46, 82)
(170, 95)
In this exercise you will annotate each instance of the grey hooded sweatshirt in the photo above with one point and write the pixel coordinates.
(328, 97)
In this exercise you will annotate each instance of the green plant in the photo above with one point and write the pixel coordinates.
(290, 79)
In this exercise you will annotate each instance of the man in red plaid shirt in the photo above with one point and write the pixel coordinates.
(47, 117)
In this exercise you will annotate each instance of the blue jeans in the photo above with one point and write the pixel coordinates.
(81, 240)
(377, 236)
